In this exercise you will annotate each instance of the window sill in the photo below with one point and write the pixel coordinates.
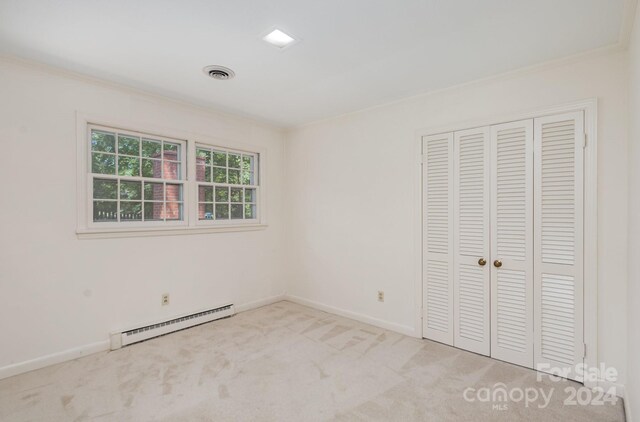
(163, 231)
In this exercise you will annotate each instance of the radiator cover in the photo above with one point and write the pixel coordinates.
(145, 332)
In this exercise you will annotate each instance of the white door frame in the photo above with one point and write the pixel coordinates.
(590, 109)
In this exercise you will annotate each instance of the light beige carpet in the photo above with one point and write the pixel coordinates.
(283, 362)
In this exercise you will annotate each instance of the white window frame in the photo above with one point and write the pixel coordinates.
(136, 224)
(190, 224)
(196, 184)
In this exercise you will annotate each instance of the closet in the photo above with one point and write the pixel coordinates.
(503, 243)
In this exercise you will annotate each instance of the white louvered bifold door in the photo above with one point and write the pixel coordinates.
(512, 242)
(471, 240)
(438, 237)
(558, 263)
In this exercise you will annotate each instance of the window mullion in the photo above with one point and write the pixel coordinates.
(118, 202)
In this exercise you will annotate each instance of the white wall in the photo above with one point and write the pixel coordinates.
(352, 187)
(633, 296)
(351, 208)
(59, 293)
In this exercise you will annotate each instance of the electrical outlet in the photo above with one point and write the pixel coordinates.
(380, 296)
(165, 299)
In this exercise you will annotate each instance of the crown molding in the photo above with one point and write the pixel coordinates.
(534, 68)
(628, 23)
(128, 89)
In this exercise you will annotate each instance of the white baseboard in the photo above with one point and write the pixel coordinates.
(398, 328)
(99, 346)
(620, 392)
(259, 303)
(53, 359)
(608, 385)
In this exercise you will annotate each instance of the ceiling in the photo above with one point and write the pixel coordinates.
(352, 54)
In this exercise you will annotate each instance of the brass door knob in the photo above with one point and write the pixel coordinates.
(482, 262)
(497, 263)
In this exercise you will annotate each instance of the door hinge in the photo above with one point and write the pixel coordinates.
(584, 350)
(584, 140)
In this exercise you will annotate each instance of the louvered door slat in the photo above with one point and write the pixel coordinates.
(471, 240)
(558, 242)
(512, 242)
(438, 237)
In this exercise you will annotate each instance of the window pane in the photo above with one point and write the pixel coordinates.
(203, 173)
(103, 141)
(172, 170)
(174, 211)
(105, 189)
(128, 166)
(236, 211)
(234, 177)
(151, 168)
(219, 175)
(151, 148)
(222, 194)
(153, 191)
(203, 156)
(128, 145)
(205, 211)
(247, 178)
(234, 161)
(222, 211)
(171, 151)
(103, 163)
(249, 211)
(249, 195)
(130, 211)
(219, 158)
(236, 195)
(105, 211)
(130, 190)
(173, 192)
(153, 211)
(247, 163)
(130, 156)
(205, 193)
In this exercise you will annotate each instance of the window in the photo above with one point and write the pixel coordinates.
(227, 184)
(136, 177)
(137, 181)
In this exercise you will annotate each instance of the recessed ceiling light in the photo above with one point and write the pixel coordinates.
(279, 38)
(220, 73)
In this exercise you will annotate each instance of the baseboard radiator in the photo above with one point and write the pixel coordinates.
(135, 335)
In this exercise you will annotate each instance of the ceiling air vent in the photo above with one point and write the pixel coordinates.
(220, 73)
